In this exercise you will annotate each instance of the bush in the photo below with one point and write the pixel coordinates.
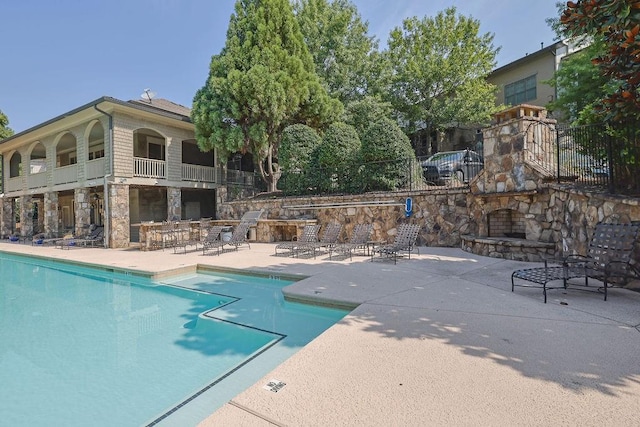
(387, 156)
(298, 144)
(336, 159)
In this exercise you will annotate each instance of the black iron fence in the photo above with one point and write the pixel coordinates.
(449, 169)
(604, 156)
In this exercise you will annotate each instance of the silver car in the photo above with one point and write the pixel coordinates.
(447, 167)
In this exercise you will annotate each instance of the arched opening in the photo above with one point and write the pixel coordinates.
(66, 151)
(38, 159)
(15, 165)
(149, 144)
(95, 149)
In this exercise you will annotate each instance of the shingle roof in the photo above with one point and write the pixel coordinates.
(164, 104)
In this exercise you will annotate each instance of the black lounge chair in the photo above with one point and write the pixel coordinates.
(608, 260)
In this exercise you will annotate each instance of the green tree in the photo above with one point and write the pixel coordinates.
(5, 130)
(617, 23)
(337, 159)
(345, 56)
(361, 113)
(298, 145)
(580, 85)
(261, 82)
(387, 156)
(439, 72)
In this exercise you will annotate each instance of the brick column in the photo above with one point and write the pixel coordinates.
(51, 214)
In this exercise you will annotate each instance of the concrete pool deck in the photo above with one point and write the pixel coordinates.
(439, 339)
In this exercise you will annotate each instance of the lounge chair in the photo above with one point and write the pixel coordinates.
(404, 241)
(309, 235)
(238, 238)
(328, 240)
(252, 217)
(210, 237)
(359, 240)
(608, 260)
(93, 239)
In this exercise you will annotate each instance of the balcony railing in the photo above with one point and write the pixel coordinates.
(198, 173)
(149, 168)
(95, 168)
(37, 180)
(14, 184)
(65, 174)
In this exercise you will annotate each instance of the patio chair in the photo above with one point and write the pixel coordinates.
(238, 238)
(252, 217)
(210, 237)
(93, 239)
(183, 236)
(328, 240)
(608, 260)
(309, 235)
(404, 241)
(359, 240)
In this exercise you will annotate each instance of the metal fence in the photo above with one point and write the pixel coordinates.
(448, 169)
(604, 156)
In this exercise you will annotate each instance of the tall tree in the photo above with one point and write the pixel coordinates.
(439, 72)
(345, 56)
(617, 23)
(261, 82)
(580, 85)
(5, 130)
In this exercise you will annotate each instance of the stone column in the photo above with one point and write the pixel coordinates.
(82, 207)
(7, 217)
(26, 216)
(221, 198)
(51, 214)
(174, 203)
(118, 216)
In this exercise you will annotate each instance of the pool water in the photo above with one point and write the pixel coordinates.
(82, 346)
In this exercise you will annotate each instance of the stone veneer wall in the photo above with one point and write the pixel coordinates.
(514, 178)
(119, 232)
(443, 214)
(50, 214)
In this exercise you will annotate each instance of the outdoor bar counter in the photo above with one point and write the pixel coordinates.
(265, 231)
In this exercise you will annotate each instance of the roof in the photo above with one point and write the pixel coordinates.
(158, 106)
(545, 50)
(165, 105)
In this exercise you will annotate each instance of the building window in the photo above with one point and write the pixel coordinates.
(521, 91)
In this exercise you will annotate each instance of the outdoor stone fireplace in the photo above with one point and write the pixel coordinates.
(506, 223)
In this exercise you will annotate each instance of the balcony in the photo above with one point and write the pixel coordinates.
(198, 173)
(149, 168)
(14, 184)
(65, 174)
(95, 168)
(37, 180)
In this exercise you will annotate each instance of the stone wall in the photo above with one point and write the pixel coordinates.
(515, 183)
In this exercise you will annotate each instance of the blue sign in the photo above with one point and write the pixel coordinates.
(408, 207)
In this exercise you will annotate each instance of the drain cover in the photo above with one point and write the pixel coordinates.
(274, 385)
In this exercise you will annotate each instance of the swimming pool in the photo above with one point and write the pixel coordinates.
(85, 346)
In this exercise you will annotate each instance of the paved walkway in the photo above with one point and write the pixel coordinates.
(436, 340)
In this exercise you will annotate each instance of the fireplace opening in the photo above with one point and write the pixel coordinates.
(507, 223)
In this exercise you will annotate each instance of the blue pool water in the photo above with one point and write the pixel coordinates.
(82, 346)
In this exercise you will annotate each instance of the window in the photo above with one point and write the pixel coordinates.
(521, 91)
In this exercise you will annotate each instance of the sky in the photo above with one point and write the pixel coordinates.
(59, 55)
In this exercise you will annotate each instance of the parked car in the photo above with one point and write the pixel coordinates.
(448, 167)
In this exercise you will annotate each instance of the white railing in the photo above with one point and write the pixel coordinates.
(198, 173)
(14, 184)
(149, 168)
(37, 180)
(95, 168)
(65, 174)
